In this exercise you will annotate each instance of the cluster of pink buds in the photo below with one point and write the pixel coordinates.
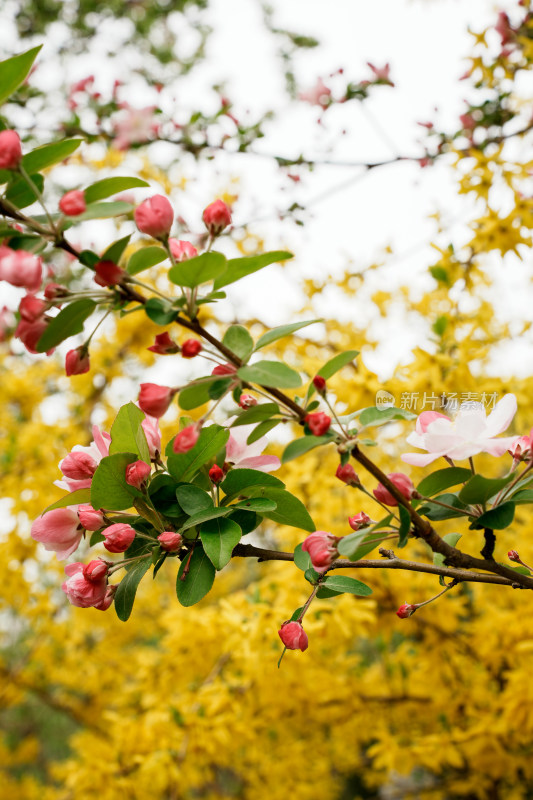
(86, 584)
(322, 549)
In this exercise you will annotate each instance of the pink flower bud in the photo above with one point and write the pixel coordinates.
(164, 345)
(31, 308)
(20, 268)
(318, 423)
(154, 399)
(186, 439)
(403, 483)
(358, 521)
(293, 636)
(216, 217)
(170, 541)
(54, 290)
(224, 369)
(348, 475)
(150, 426)
(320, 384)
(10, 150)
(190, 348)
(73, 203)
(322, 549)
(512, 555)
(29, 333)
(137, 473)
(406, 610)
(521, 448)
(118, 537)
(90, 519)
(216, 473)
(59, 530)
(154, 216)
(87, 584)
(78, 466)
(181, 250)
(77, 361)
(108, 273)
(109, 596)
(247, 401)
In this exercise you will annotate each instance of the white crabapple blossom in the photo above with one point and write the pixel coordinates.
(243, 455)
(470, 433)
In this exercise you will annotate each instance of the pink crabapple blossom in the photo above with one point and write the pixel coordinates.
(318, 95)
(154, 399)
(77, 362)
(59, 530)
(182, 250)
(108, 273)
(164, 345)
(247, 401)
(320, 384)
(190, 348)
(154, 216)
(31, 308)
(348, 475)
(318, 423)
(358, 521)
(224, 369)
(150, 426)
(406, 610)
(170, 541)
(470, 433)
(20, 268)
(186, 439)
(322, 549)
(86, 584)
(293, 636)
(242, 455)
(73, 203)
(216, 217)
(91, 518)
(512, 555)
(80, 464)
(118, 537)
(29, 334)
(216, 474)
(137, 473)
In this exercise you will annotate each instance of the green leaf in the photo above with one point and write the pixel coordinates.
(219, 387)
(68, 322)
(199, 579)
(192, 499)
(435, 512)
(22, 195)
(127, 588)
(196, 393)
(270, 373)
(290, 511)
(219, 537)
(15, 70)
(115, 208)
(115, 250)
(338, 584)
(49, 154)
(261, 430)
(523, 496)
(443, 479)
(73, 499)
(377, 416)
(281, 332)
(451, 539)
(357, 545)
(203, 516)
(197, 270)
(127, 434)
(238, 268)
(405, 526)
(144, 258)
(184, 466)
(440, 325)
(247, 521)
(298, 447)
(440, 274)
(302, 559)
(239, 480)
(336, 363)
(256, 413)
(239, 340)
(159, 311)
(497, 518)
(480, 489)
(108, 186)
(109, 489)
(258, 504)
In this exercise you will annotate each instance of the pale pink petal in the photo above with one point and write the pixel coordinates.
(421, 460)
(262, 463)
(72, 569)
(470, 421)
(500, 419)
(498, 447)
(426, 418)
(102, 441)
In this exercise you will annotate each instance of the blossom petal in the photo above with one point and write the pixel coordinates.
(262, 463)
(421, 459)
(500, 418)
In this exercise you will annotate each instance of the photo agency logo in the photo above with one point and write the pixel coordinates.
(429, 401)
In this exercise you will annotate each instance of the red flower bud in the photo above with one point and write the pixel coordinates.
(154, 216)
(10, 150)
(73, 203)
(118, 537)
(190, 348)
(164, 345)
(54, 290)
(322, 549)
(170, 541)
(95, 570)
(186, 439)
(216, 217)
(247, 401)
(181, 250)
(293, 636)
(216, 473)
(318, 423)
(77, 361)
(109, 596)
(512, 555)
(347, 474)
(319, 384)
(108, 273)
(154, 400)
(137, 473)
(224, 369)
(403, 483)
(359, 521)
(406, 610)
(31, 308)
(91, 519)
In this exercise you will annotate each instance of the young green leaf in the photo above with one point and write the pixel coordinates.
(405, 526)
(240, 480)
(379, 416)
(192, 499)
(497, 518)
(219, 537)
(302, 559)
(203, 516)
(22, 195)
(199, 579)
(144, 258)
(239, 341)
(200, 269)
(451, 539)
(338, 584)
(436, 512)
(68, 322)
(115, 208)
(281, 332)
(159, 311)
(108, 186)
(109, 488)
(184, 466)
(303, 445)
(15, 70)
(238, 268)
(75, 498)
(49, 154)
(443, 479)
(256, 413)
(480, 489)
(261, 430)
(127, 588)
(336, 363)
(257, 504)
(290, 511)
(127, 433)
(115, 250)
(270, 373)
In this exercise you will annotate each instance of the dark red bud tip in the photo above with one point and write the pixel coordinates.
(406, 610)
(512, 555)
(319, 384)
(216, 473)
